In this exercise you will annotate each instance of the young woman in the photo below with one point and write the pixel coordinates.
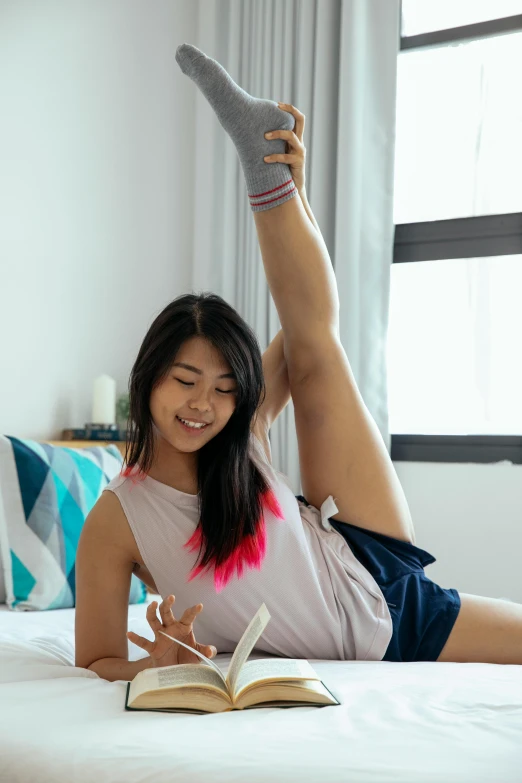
(199, 513)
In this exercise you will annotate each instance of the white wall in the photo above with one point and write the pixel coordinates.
(468, 516)
(96, 156)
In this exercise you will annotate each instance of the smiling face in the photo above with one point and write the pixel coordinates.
(201, 394)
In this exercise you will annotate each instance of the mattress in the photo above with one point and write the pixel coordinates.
(397, 722)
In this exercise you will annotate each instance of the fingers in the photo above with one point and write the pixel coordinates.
(189, 615)
(167, 615)
(288, 135)
(207, 649)
(165, 610)
(140, 641)
(152, 617)
(290, 159)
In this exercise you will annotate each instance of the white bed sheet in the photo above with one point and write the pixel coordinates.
(398, 722)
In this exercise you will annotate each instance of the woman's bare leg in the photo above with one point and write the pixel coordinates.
(299, 273)
(487, 630)
(341, 451)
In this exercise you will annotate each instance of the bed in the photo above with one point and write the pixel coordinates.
(397, 722)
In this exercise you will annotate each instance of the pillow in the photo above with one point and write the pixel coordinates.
(46, 493)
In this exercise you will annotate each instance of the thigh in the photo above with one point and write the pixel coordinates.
(341, 451)
(487, 630)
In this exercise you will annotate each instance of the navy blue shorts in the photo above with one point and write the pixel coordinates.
(422, 613)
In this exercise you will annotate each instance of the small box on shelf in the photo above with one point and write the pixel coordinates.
(95, 432)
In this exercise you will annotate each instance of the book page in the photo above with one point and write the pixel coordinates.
(196, 676)
(245, 645)
(274, 670)
(182, 675)
(199, 654)
(287, 693)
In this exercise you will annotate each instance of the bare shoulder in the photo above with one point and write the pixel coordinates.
(113, 530)
(109, 523)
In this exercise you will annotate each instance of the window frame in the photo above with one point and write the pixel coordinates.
(469, 237)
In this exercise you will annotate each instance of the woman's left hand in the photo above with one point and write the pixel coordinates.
(295, 152)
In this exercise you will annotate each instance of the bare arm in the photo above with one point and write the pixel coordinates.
(119, 668)
(104, 568)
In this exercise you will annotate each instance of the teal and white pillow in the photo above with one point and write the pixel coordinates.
(46, 493)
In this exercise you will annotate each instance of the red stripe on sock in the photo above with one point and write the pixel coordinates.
(282, 195)
(267, 193)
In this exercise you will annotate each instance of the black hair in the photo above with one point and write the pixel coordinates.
(231, 488)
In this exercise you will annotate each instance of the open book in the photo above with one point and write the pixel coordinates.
(191, 687)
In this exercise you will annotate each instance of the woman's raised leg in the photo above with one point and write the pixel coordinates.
(341, 451)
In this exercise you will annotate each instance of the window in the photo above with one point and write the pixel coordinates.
(423, 16)
(455, 379)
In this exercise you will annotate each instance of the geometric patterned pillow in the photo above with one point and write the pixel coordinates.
(46, 493)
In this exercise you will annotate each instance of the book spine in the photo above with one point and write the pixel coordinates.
(99, 434)
(74, 434)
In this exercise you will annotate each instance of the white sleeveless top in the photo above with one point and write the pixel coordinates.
(323, 603)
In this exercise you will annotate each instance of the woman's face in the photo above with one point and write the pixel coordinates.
(199, 394)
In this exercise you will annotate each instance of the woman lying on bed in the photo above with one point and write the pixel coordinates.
(200, 514)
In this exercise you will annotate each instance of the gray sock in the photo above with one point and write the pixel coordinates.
(246, 120)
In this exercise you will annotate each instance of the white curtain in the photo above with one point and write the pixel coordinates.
(336, 61)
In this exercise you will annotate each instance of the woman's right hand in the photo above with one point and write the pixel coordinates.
(163, 651)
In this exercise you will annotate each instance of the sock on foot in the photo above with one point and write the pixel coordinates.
(246, 119)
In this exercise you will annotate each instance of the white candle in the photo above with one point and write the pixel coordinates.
(104, 401)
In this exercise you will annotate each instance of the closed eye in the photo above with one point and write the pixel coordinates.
(230, 391)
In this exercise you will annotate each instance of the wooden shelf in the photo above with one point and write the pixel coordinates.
(85, 444)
